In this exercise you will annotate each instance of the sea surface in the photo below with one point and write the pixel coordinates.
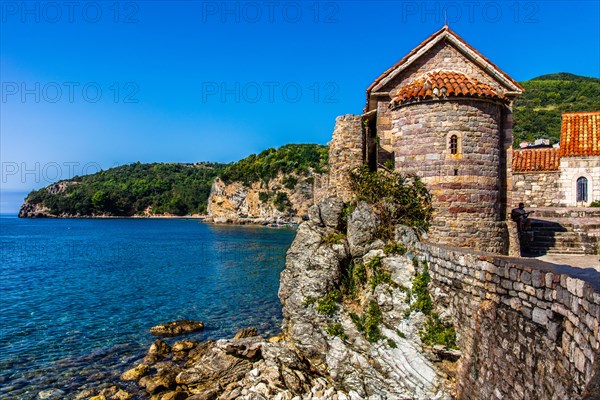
(78, 296)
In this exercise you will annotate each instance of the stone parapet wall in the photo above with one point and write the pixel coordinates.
(526, 329)
(346, 152)
(536, 189)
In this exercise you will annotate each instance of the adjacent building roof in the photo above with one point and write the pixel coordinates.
(531, 160)
(580, 134)
(448, 35)
(443, 84)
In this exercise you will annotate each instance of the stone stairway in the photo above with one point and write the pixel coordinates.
(563, 231)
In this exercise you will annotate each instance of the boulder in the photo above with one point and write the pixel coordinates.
(177, 328)
(331, 210)
(51, 394)
(245, 333)
(362, 228)
(159, 348)
(135, 373)
(184, 345)
(162, 381)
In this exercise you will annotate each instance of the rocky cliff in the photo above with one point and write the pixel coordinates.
(283, 199)
(39, 210)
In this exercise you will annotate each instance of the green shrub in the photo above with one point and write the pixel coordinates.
(334, 238)
(422, 300)
(368, 323)
(336, 329)
(282, 202)
(372, 319)
(359, 273)
(263, 197)
(289, 182)
(396, 199)
(392, 344)
(595, 203)
(436, 332)
(377, 275)
(328, 304)
(394, 248)
(309, 301)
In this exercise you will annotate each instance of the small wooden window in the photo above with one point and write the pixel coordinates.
(453, 144)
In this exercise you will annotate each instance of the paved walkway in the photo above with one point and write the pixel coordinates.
(572, 260)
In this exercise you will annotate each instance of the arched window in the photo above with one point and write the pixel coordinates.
(582, 189)
(453, 144)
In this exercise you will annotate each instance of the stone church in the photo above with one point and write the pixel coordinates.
(444, 113)
(565, 176)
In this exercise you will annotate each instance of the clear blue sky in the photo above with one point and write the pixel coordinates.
(102, 83)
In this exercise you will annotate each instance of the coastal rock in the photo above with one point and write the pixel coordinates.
(331, 210)
(357, 367)
(51, 394)
(135, 373)
(163, 380)
(30, 210)
(362, 227)
(236, 202)
(245, 333)
(176, 328)
(174, 396)
(183, 345)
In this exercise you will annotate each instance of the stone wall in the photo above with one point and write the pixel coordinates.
(571, 168)
(526, 329)
(536, 189)
(346, 152)
(467, 187)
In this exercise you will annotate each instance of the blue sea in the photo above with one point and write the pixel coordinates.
(78, 296)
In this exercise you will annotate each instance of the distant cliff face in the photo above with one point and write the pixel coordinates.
(283, 199)
(39, 210)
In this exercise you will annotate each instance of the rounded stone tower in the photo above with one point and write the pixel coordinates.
(447, 128)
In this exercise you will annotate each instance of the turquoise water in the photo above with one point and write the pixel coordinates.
(78, 296)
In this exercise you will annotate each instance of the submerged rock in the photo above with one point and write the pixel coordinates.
(246, 332)
(177, 328)
(51, 394)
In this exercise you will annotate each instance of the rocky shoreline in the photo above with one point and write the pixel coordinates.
(334, 345)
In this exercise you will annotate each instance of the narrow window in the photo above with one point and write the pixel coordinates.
(582, 192)
(456, 172)
(453, 144)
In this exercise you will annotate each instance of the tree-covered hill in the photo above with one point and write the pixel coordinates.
(128, 190)
(300, 159)
(537, 112)
(178, 189)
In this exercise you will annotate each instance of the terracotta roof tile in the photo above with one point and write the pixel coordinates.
(444, 31)
(443, 84)
(542, 160)
(580, 134)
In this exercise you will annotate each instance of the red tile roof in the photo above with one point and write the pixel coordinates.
(580, 134)
(442, 84)
(446, 32)
(541, 160)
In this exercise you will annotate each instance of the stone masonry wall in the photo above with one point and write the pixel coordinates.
(535, 189)
(526, 329)
(346, 152)
(469, 209)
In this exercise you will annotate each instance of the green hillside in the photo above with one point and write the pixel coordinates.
(179, 189)
(301, 159)
(128, 190)
(537, 112)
